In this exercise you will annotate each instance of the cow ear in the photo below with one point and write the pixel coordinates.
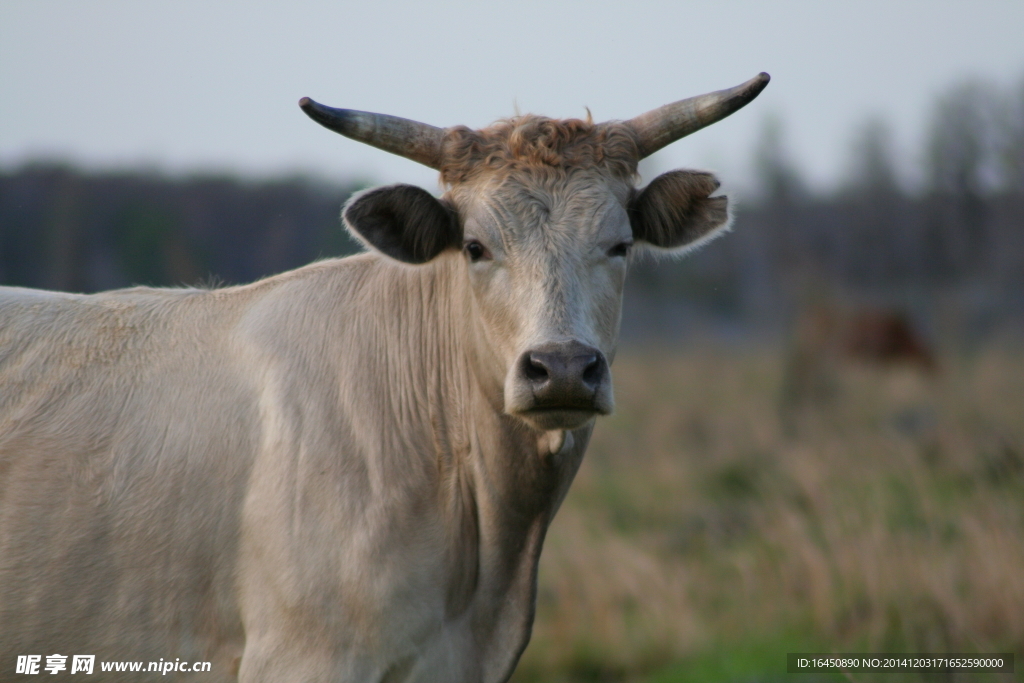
(403, 221)
(675, 212)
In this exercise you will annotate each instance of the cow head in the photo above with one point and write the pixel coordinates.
(540, 218)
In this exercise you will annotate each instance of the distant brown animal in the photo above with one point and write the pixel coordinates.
(344, 472)
(825, 337)
(886, 337)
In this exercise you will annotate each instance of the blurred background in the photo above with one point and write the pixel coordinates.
(819, 440)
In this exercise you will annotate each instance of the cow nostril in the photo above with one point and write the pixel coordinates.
(534, 369)
(592, 371)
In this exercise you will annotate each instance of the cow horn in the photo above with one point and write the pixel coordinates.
(413, 140)
(664, 125)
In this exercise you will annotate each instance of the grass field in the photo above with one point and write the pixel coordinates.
(714, 526)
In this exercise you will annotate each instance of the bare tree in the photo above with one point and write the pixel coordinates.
(961, 158)
(873, 169)
(777, 178)
(962, 167)
(1011, 140)
(873, 250)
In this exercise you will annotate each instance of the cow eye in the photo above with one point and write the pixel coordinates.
(620, 249)
(476, 251)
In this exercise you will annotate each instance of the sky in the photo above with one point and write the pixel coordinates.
(201, 86)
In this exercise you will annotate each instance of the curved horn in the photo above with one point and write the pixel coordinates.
(665, 125)
(413, 140)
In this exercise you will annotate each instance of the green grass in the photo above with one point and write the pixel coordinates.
(753, 660)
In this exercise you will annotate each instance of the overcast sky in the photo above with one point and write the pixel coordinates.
(213, 86)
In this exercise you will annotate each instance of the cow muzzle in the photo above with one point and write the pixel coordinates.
(559, 385)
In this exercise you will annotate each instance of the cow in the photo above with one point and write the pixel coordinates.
(886, 337)
(344, 472)
(826, 336)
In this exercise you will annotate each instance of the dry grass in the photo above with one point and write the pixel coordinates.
(889, 517)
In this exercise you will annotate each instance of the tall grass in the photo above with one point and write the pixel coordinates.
(712, 520)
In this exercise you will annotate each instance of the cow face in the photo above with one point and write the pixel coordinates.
(539, 221)
(546, 261)
(544, 254)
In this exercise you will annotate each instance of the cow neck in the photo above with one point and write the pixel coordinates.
(502, 490)
(499, 489)
(470, 428)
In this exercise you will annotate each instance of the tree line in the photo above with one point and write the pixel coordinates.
(950, 252)
(65, 229)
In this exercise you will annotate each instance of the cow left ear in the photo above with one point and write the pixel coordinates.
(403, 221)
(675, 212)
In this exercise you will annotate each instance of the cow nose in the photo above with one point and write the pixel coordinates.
(564, 374)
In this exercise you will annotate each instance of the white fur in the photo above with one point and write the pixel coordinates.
(324, 475)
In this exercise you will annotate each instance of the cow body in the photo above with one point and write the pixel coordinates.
(344, 472)
(232, 463)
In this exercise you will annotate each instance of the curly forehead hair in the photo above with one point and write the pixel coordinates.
(531, 141)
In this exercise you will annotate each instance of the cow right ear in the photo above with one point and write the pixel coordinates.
(404, 222)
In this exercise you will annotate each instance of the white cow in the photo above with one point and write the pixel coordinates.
(344, 472)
